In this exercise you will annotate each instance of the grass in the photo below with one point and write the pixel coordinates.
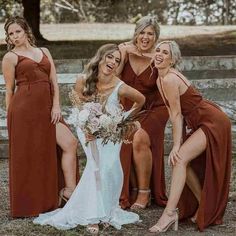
(23, 227)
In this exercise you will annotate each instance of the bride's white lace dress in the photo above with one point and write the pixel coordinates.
(96, 197)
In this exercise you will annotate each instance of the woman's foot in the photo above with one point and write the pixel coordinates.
(143, 200)
(93, 229)
(104, 225)
(64, 195)
(168, 218)
(194, 218)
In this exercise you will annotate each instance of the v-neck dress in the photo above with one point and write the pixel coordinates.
(213, 166)
(35, 174)
(153, 122)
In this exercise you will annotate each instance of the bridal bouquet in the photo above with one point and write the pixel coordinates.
(111, 124)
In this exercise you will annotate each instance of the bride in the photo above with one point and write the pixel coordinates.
(96, 198)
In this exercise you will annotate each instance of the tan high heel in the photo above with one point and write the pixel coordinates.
(139, 206)
(175, 222)
(92, 229)
(62, 197)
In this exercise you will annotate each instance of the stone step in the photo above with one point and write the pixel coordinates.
(214, 89)
(229, 107)
(191, 63)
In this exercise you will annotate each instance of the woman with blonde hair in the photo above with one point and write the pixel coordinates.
(143, 160)
(202, 161)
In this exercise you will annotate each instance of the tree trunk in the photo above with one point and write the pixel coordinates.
(32, 15)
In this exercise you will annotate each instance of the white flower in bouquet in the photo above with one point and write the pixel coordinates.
(105, 121)
(83, 117)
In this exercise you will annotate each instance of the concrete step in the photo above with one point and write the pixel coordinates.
(194, 63)
(214, 89)
(229, 107)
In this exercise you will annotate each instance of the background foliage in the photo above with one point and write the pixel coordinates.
(184, 12)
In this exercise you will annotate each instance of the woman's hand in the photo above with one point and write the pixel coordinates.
(174, 156)
(89, 137)
(55, 114)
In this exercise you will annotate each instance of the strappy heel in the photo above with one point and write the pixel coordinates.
(92, 229)
(62, 197)
(194, 218)
(139, 206)
(174, 223)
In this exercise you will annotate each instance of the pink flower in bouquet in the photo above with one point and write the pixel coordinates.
(94, 108)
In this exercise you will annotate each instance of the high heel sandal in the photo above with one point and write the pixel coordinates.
(194, 218)
(139, 206)
(62, 196)
(157, 229)
(92, 229)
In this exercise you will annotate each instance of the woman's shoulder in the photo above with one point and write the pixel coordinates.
(10, 57)
(45, 50)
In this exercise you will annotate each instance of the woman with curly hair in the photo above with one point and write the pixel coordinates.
(96, 197)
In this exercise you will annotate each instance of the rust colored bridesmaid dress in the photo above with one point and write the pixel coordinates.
(35, 173)
(153, 123)
(213, 166)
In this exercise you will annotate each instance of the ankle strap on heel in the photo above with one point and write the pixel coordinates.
(144, 190)
(171, 212)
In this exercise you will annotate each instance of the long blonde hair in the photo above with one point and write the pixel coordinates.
(144, 22)
(91, 69)
(175, 53)
(24, 25)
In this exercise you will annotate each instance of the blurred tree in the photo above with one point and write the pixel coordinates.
(32, 15)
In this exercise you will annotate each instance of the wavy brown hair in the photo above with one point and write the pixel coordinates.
(91, 69)
(24, 25)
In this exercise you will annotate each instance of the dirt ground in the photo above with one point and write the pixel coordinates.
(23, 227)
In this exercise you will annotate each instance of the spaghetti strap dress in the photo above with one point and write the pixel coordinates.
(153, 122)
(213, 166)
(35, 174)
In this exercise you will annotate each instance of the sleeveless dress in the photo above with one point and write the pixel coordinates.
(96, 197)
(213, 166)
(35, 174)
(153, 122)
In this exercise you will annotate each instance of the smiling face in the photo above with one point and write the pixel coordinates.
(163, 57)
(110, 62)
(16, 34)
(146, 39)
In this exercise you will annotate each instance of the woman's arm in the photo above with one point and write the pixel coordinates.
(123, 51)
(135, 96)
(9, 62)
(171, 90)
(56, 110)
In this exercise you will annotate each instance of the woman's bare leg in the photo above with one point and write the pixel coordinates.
(192, 148)
(142, 158)
(68, 144)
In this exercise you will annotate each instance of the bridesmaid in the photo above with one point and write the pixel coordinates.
(142, 161)
(203, 161)
(35, 126)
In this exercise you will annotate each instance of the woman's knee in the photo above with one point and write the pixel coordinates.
(141, 140)
(70, 145)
